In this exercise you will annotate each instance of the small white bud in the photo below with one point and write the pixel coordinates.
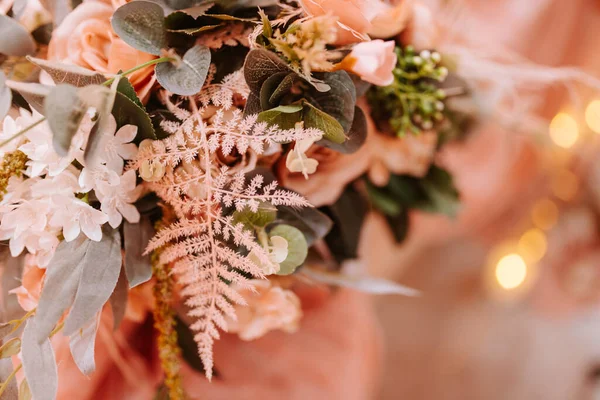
(417, 60)
(425, 54)
(436, 57)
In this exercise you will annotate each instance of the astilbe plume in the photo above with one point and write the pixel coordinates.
(203, 246)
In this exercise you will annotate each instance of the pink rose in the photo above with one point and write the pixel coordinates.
(85, 38)
(28, 294)
(269, 308)
(373, 61)
(360, 18)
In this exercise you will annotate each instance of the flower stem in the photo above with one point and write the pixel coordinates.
(8, 379)
(106, 83)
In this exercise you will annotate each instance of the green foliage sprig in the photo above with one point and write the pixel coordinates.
(413, 102)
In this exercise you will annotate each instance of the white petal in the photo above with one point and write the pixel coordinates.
(127, 133)
(71, 230)
(130, 213)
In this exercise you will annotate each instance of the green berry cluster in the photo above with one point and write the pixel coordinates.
(413, 102)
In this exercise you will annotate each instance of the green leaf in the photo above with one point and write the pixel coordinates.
(64, 111)
(102, 99)
(339, 101)
(356, 137)
(442, 194)
(33, 93)
(127, 112)
(268, 87)
(265, 215)
(315, 118)
(260, 64)
(141, 24)
(68, 73)
(82, 344)
(39, 363)
(10, 348)
(5, 96)
(297, 247)
(284, 89)
(187, 78)
(285, 117)
(15, 40)
(383, 201)
(136, 237)
(127, 89)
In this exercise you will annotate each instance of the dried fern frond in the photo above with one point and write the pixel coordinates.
(208, 251)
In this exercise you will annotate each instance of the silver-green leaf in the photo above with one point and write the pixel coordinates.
(118, 299)
(39, 363)
(64, 111)
(102, 99)
(187, 77)
(5, 96)
(100, 270)
(141, 24)
(33, 93)
(136, 238)
(68, 73)
(15, 40)
(82, 345)
(60, 285)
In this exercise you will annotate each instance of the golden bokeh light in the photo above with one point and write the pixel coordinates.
(564, 131)
(533, 245)
(592, 116)
(565, 185)
(544, 214)
(511, 271)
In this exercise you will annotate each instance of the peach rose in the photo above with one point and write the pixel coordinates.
(360, 18)
(85, 38)
(28, 294)
(269, 308)
(373, 61)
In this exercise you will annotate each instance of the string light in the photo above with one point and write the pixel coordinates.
(544, 214)
(533, 245)
(511, 271)
(563, 130)
(592, 116)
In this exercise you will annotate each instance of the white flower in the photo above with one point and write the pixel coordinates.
(74, 215)
(91, 178)
(278, 252)
(116, 199)
(298, 161)
(117, 146)
(42, 157)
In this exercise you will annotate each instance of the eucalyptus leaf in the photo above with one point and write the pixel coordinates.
(10, 348)
(261, 64)
(33, 93)
(297, 247)
(285, 117)
(339, 101)
(97, 281)
(136, 237)
(60, 285)
(141, 24)
(5, 96)
(68, 73)
(82, 343)
(10, 391)
(314, 224)
(187, 78)
(39, 363)
(64, 111)
(25, 391)
(283, 89)
(252, 105)
(366, 284)
(265, 214)
(356, 137)
(118, 299)
(331, 128)
(15, 40)
(268, 87)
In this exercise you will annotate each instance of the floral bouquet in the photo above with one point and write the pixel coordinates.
(217, 152)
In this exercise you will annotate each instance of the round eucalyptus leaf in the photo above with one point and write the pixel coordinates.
(297, 247)
(356, 136)
(141, 24)
(15, 40)
(64, 111)
(186, 78)
(266, 214)
(315, 118)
